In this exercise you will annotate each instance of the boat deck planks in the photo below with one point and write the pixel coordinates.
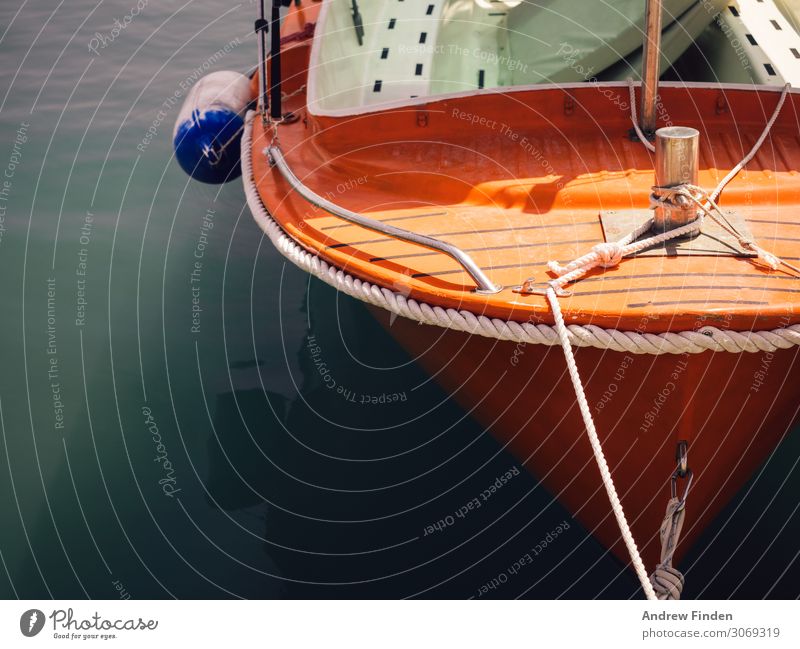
(532, 190)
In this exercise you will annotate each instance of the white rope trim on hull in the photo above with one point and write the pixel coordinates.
(632, 342)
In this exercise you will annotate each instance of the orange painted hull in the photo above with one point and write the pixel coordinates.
(732, 409)
(520, 178)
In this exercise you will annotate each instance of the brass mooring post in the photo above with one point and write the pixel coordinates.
(677, 162)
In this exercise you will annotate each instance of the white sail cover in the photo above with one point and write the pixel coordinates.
(422, 48)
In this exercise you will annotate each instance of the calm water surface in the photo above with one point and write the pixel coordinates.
(153, 451)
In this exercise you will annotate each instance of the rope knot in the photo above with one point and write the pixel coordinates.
(677, 196)
(667, 582)
(609, 253)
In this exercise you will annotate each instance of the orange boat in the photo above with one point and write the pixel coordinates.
(556, 272)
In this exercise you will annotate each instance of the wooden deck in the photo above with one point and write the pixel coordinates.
(519, 179)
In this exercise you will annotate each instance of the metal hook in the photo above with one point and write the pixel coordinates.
(682, 458)
(674, 486)
(530, 287)
(682, 470)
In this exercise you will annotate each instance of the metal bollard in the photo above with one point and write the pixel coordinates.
(677, 162)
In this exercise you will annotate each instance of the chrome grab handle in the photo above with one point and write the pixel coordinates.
(484, 284)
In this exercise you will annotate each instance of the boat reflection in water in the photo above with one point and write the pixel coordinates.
(358, 501)
(372, 482)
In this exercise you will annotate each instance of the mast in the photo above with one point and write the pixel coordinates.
(650, 67)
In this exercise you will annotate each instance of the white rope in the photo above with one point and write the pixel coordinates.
(610, 254)
(632, 342)
(635, 118)
(289, 95)
(597, 449)
(711, 209)
(733, 172)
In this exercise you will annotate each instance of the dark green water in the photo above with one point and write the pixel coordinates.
(139, 455)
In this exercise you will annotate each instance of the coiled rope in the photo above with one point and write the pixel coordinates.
(667, 580)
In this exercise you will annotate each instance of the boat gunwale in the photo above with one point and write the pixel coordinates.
(277, 195)
(640, 340)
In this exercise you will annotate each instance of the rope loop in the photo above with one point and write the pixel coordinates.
(767, 258)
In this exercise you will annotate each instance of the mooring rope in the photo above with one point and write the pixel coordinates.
(597, 448)
(610, 254)
(708, 207)
(635, 118)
